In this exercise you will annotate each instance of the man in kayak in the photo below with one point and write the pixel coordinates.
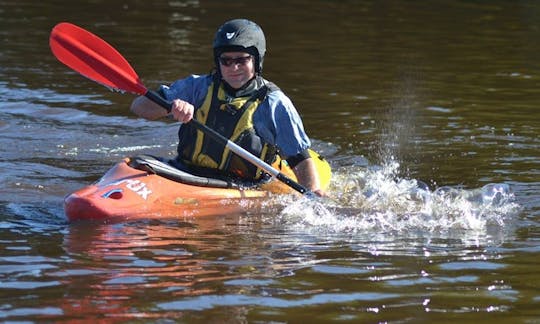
(236, 101)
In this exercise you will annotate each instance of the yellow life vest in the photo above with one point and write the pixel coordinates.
(232, 117)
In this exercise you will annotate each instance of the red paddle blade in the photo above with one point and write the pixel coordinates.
(94, 58)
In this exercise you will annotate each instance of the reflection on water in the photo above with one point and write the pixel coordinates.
(145, 270)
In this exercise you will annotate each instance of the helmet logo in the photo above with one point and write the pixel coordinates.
(230, 35)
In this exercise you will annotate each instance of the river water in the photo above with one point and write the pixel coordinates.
(427, 111)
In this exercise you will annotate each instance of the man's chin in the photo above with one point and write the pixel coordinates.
(236, 85)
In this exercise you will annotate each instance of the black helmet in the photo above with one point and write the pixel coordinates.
(240, 35)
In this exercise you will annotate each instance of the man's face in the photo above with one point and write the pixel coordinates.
(237, 68)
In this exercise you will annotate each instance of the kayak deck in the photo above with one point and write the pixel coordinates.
(154, 189)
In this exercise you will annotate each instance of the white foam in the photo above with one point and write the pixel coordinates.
(375, 199)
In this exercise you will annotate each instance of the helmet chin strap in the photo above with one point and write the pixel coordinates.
(247, 89)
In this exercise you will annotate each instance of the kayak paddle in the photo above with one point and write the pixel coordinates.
(97, 60)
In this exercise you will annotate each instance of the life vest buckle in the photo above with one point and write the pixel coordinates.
(231, 109)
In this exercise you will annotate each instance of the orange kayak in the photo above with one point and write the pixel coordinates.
(146, 187)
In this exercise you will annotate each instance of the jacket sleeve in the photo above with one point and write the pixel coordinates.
(191, 89)
(279, 124)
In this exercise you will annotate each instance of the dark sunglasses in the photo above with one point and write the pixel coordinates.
(228, 61)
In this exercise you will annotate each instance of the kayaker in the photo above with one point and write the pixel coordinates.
(235, 100)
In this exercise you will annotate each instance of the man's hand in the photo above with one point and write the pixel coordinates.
(182, 110)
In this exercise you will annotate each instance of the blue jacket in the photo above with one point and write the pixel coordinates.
(276, 120)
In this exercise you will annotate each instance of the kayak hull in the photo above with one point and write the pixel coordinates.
(128, 193)
(146, 187)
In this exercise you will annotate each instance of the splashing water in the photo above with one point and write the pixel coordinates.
(374, 198)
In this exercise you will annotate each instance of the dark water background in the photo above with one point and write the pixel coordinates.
(445, 92)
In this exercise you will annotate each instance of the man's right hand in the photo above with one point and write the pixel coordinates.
(182, 110)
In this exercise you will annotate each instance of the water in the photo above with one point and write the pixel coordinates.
(427, 112)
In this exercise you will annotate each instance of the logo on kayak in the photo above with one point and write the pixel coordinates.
(139, 188)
